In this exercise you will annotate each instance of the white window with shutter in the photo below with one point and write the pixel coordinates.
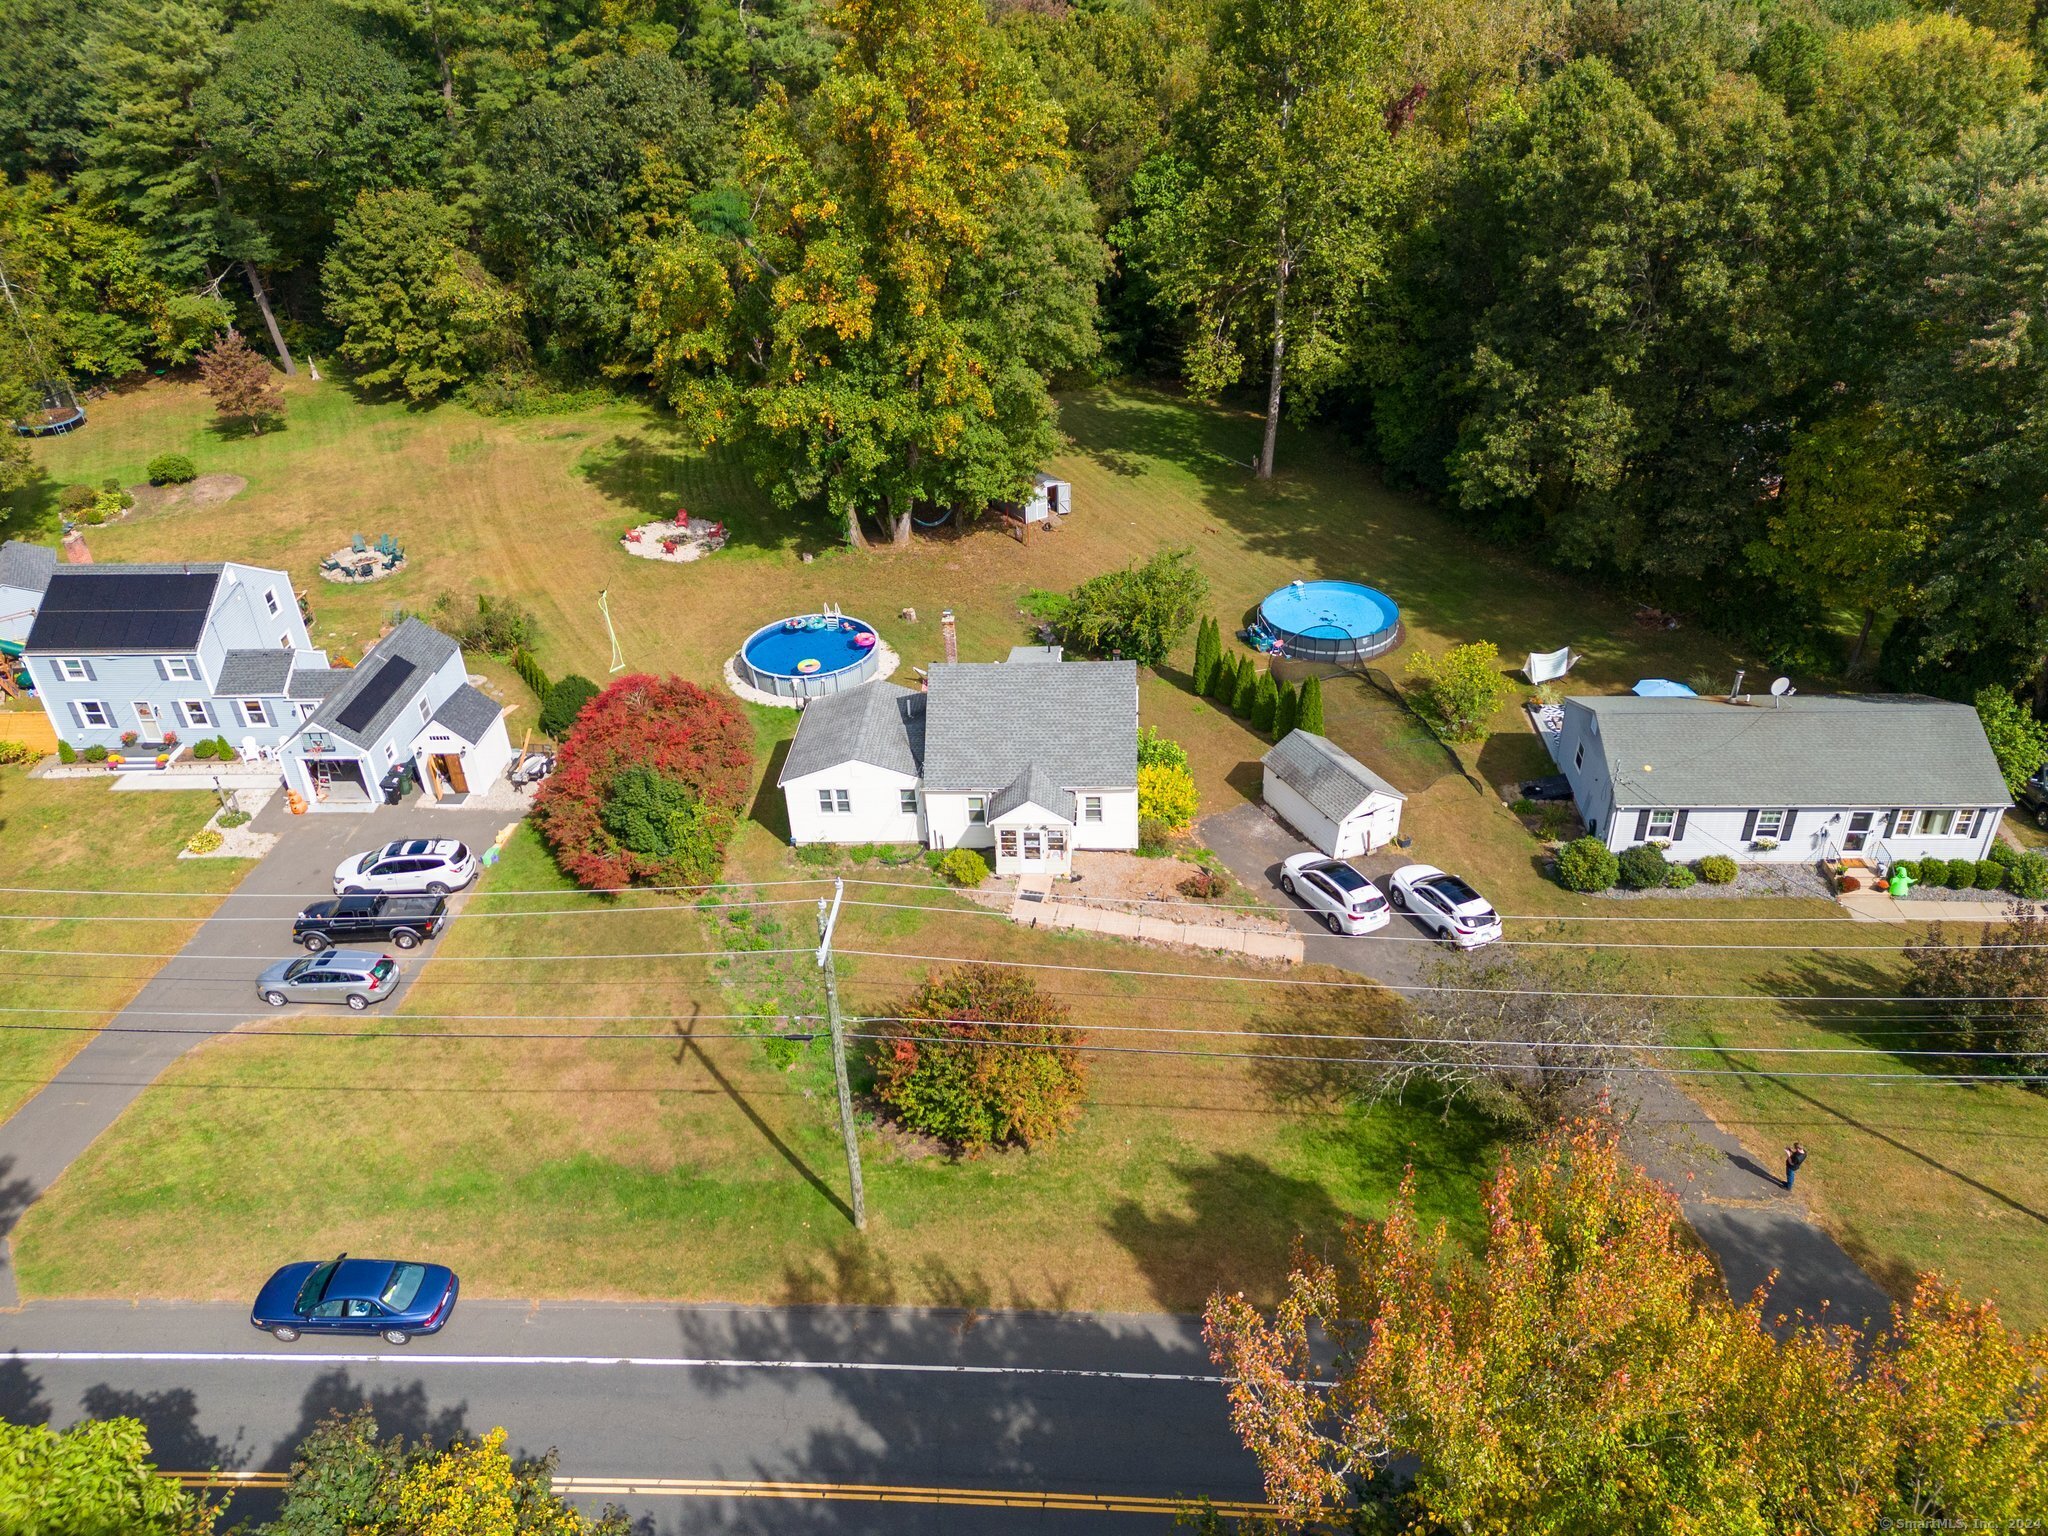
(175, 669)
(195, 713)
(91, 713)
(255, 712)
(71, 669)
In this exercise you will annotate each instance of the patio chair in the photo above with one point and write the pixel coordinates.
(358, 544)
(332, 564)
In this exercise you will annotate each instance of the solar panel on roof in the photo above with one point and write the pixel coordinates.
(377, 692)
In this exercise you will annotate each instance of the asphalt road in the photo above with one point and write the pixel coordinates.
(898, 1420)
(207, 988)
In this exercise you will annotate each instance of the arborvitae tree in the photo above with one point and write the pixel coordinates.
(1206, 650)
(1266, 702)
(1223, 685)
(1309, 716)
(1245, 691)
(1288, 715)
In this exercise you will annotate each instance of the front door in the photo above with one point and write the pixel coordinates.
(1034, 849)
(148, 723)
(1859, 831)
(450, 764)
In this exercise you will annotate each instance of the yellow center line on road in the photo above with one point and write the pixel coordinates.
(754, 1488)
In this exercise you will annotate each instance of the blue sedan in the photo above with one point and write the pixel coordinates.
(344, 1295)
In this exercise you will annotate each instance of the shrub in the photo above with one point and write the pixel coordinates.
(1311, 706)
(229, 820)
(676, 731)
(500, 626)
(1204, 885)
(1168, 796)
(1288, 715)
(172, 469)
(527, 665)
(1679, 876)
(1155, 838)
(817, 855)
(108, 504)
(563, 702)
(204, 750)
(222, 750)
(1266, 704)
(1554, 817)
(66, 753)
(964, 867)
(1988, 875)
(1244, 696)
(1716, 869)
(1457, 693)
(74, 499)
(1138, 613)
(1909, 867)
(94, 754)
(1156, 750)
(949, 1082)
(13, 752)
(1643, 868)
(1934, 873)
(205, 840)
(2027, 876)
(1587, 864)
(1524, 806)
(2001, 853)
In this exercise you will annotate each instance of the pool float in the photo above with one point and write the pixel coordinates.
(863, 641)
(792, 624)
(808, 665)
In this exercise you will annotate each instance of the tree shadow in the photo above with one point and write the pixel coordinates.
(651, 480)
(21, 1394)
(1509, 757)
(171, 1418)
(688, 1049)
(1242, 1221)
(404, 1410)
(769, 810)
(30, 511)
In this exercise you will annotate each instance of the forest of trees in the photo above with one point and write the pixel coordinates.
(1738, 304)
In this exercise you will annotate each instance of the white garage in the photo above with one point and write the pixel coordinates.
(1332, 799)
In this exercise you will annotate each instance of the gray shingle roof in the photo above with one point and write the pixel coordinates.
(413, 641)
(255, 673)
(468, 712)
(1036, 653)
(1324, 774)
(316, 682)
(1034, 788)
(987, 722)
(26, 566)
(877, 723)
(1844, 750)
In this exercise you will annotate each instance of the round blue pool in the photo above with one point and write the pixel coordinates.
(809, 655)
(1336, 621)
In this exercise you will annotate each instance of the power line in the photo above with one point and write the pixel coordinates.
(465, 915)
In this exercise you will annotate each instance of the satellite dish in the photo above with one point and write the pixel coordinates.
(1782, 687)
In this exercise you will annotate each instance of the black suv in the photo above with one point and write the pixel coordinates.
(2034, 796)
(404, 920)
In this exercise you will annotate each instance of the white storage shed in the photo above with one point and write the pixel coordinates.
(1332, 799)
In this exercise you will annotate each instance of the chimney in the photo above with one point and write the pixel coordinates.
(74, 548)
(952, 635)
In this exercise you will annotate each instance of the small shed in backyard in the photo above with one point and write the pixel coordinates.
(1332, 799)
(1049, 501)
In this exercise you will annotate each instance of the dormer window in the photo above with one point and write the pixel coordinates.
(176, 669)
(71, 670)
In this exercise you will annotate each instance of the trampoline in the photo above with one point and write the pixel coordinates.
(1330, 621)
(810, 654)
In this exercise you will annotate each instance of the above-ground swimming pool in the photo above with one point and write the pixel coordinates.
(809, 655)
(1334, 621)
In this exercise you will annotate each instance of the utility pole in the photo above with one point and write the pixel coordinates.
(828, 920)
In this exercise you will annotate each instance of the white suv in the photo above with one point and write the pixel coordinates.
(1346, 901)
(1445, 905)
(435, 867)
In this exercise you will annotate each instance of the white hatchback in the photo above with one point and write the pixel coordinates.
(430, 866)
(1445, 905)
(1346, 901)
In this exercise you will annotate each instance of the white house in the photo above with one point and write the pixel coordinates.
(408, 701)
(1332, 799)
(25, 571)
(1030, 759)
(1785, 780)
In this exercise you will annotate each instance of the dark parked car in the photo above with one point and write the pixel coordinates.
(404, 920)
(399, 1300)
(2034, 796)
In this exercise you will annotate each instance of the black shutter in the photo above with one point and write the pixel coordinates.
(1748, 825)
(1642, 826)
(1678, 827)
(1786, 830)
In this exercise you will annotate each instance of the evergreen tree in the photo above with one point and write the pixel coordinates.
(1265, 703)
(1205, 656)
(1288, 715)
(1309, 716)
(1245, 690)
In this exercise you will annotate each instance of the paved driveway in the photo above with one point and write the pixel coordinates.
(207, 989)
(1753, 1226)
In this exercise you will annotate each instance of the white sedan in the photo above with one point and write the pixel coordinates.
(1346, 901)
(1444, 904)
(423, 866)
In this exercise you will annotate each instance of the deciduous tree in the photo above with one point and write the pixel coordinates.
(1138, 613)
(94, 1479)
(241, 382)
(1458, 692)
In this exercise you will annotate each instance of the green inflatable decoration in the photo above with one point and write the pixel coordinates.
(1901, 882)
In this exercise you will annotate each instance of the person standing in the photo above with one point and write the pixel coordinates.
(1795, 1159)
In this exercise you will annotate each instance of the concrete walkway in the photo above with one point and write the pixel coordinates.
(1752, 1226)
(1036, 906)
(1878, 907)
(212, 976)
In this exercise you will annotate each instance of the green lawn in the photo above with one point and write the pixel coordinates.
(82, 837)
(555, 1166)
